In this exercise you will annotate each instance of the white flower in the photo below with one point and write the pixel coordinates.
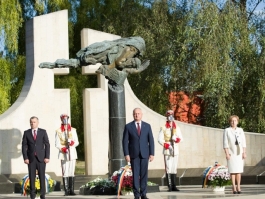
(115, 173)
(128, 173)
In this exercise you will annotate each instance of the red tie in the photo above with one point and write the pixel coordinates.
(138, 129)
(34, 135)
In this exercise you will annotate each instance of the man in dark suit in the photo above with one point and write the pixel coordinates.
(138, 149)
(36, 154)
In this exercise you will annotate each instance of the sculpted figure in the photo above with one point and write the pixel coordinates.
(118, 58)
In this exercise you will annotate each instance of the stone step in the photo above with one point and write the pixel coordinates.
(190, 176)
(6, 188)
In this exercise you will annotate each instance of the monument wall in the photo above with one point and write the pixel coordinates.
(202, 146)
(47, 40)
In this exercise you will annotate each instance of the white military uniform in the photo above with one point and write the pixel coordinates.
(170, 156)
(68, 159)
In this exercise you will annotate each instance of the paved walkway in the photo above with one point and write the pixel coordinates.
(186, 192)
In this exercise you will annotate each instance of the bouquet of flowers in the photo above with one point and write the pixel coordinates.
(123, 179)
(216, 175)
(98, 186)
(99, 182)
(25, 185)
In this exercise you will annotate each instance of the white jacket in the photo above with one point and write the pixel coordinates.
(164, 134)
(230, 137)
(61, 141)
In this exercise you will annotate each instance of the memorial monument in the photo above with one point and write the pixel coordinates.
(118, 58)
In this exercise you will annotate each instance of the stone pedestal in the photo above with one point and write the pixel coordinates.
(117, 121)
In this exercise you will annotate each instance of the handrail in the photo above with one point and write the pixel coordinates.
(257, 177)
(164, 176)
(182, 176)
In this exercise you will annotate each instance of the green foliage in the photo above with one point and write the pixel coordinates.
(10, 22)
(149, 183)
(219, 182)
(211, 40)
(100, 182)
(4, 84)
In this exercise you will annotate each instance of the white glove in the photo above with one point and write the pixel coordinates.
(170, 148)
(69, 140)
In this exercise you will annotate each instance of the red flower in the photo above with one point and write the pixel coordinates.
(127, 182)
(114, 179)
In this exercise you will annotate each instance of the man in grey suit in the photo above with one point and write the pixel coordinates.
(138, 148)
(36, 154)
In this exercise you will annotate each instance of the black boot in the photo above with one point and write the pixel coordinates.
(71, 186)
(66, 185)
(173, 180)
(169, 182)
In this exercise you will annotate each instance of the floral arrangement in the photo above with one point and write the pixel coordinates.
(123, 179)
(216, 175)
(121, 182)
(25, 185)
(100, 182)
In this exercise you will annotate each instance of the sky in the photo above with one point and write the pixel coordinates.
(261, 6)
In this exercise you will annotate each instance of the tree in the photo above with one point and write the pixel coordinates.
(10, 12)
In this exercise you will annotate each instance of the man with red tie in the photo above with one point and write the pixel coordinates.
(36, 154)
(138, 149)
(66, 141)
(169, 137)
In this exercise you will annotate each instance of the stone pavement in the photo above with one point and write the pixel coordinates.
(256, 191)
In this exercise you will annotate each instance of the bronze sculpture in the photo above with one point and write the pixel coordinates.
(118, 58)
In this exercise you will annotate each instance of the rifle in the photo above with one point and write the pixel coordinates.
(67, 137)
(171, 140)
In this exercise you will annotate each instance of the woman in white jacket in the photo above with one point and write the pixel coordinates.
(234, 143)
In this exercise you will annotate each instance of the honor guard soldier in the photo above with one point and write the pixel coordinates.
(169, 137)
(66, 141)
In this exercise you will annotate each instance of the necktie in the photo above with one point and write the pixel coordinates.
(34, 135)
(138, 129)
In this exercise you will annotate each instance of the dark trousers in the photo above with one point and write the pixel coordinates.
(140, 175)
(32, 167)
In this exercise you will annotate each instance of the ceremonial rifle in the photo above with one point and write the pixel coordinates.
(171, 140)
